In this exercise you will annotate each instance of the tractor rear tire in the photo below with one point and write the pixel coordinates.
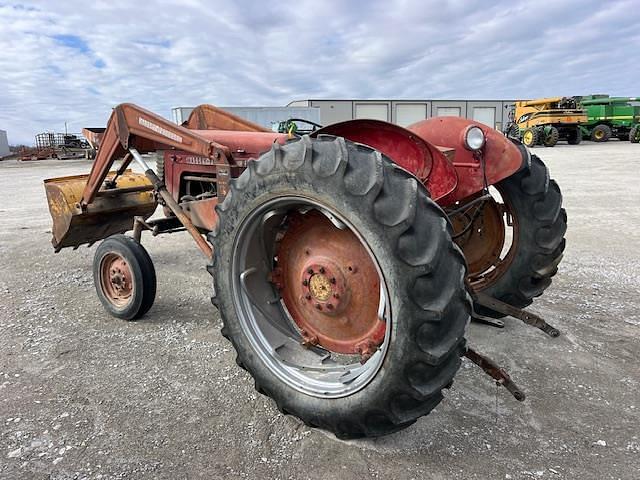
(407, 237)
(634, 135)
(536, 203)
(574, 137)
(530, 137)
(601, 133)
(124, 277)
(552, 137)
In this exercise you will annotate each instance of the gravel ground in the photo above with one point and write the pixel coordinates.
(83, 395)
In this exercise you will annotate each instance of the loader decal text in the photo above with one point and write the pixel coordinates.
(158, 129)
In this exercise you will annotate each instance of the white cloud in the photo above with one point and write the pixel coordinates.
(72, 61)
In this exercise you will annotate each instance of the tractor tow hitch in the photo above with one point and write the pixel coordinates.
(519, 313)
(496, 372)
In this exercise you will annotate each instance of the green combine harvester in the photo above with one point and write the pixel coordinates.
(611, 116)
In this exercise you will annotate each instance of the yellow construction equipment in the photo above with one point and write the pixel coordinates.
(544, 121)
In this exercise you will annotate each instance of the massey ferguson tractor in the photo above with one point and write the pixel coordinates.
(346, 263)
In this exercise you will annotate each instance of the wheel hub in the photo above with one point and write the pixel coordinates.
(320, 287)
(116, 279)
(329, 285)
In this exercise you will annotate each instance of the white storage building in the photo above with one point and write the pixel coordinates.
(405, 112)
(264, 116)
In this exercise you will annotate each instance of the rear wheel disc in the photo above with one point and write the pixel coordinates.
(488, 235)
(285, 342)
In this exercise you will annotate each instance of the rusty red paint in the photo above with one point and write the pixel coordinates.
(330, 285)
(202, 212)
(243, 145)
(405, 148)
(116, 279)
(501, 156)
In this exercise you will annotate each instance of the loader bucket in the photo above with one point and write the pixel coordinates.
(111, 212)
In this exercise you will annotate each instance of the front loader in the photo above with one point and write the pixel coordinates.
(346, 264)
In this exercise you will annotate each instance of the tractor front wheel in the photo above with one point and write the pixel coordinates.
(339, 287)
(124, 277)
(634, 135)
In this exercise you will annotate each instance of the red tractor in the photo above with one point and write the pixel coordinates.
(346, 264)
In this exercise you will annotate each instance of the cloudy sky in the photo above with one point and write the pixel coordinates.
(74, 60)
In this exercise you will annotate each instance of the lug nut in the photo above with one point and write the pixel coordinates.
(318, 306)
(330, 306)
(305, 282)
(307, 296)
(333, 280)
(336, 295)
(321, 269)
(310, 271)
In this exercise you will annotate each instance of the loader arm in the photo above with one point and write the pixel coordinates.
(131, 126)
(209, 117)
(85, 208)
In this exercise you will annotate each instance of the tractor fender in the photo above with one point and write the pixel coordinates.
(502, 157)
(407, 149)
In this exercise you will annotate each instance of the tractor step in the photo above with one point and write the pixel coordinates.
(519, 313)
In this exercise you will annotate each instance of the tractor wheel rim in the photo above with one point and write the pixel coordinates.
(493, 248)
(528, 137)
(116, 279)
(599, 134)
(276, 299)
(325, 276)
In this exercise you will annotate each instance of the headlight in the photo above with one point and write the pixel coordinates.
(474, 138)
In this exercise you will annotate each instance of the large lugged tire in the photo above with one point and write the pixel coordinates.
(634, 135)
(421, 274)
(535, 202)
(601, 133)
(574, 137)
(124, 277)
(552, 137)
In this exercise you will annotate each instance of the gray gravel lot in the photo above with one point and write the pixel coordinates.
(83, 395)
